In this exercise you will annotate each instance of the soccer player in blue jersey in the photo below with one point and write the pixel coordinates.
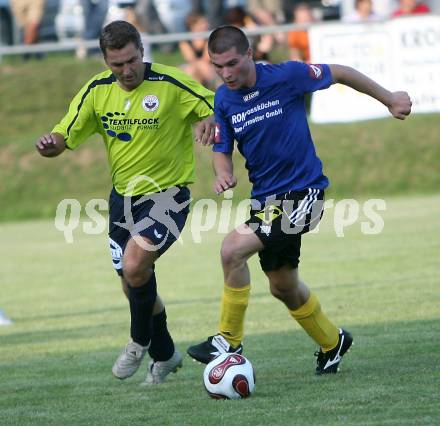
(145, 114)
(261, 106)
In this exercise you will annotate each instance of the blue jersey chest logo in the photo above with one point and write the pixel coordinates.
(257, 113)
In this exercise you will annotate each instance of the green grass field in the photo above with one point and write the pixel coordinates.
(71, 321)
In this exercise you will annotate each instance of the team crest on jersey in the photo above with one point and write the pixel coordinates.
(150, 103)
(315, 72)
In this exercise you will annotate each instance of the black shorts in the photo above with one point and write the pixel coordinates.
(160, 217)
(281, 221)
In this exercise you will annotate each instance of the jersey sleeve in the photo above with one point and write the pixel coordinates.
(224, 135)
(308, 78)
(196, 102)
(80, 122)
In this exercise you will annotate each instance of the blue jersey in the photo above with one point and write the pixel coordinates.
(269, 123)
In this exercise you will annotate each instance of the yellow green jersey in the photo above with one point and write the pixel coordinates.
(147, 131)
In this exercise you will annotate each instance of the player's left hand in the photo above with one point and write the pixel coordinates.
(400, 105)
(204, 131)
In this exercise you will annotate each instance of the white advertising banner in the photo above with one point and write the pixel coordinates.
(401, 54)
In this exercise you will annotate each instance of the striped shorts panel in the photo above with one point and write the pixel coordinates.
(281, 221)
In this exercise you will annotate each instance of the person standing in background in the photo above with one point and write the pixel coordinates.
(364, 12)
(28, 14)
(94, 12)
(213, 10)
(273, 8)
(195, 52)
(411, 7)
(298, 41)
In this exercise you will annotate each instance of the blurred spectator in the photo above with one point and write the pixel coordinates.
(384, 8)
(323, 10)
(298, 40)
(261, 45)
(261, 9)
(148, 17)
(363, 12)
(124, 10)
(94, 12)
(411, 7)
(172, 14)
(69, 19)
(267, 13)
(212, 9)
(195, 52)
(28, 14)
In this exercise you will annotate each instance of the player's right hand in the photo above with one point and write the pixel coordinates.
(48, 146)
(224, 182)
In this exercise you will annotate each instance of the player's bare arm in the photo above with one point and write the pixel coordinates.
(204, 131)
(224, 172)
(398, 103)
(50, 145)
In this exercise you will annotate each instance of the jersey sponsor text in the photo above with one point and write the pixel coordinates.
(240, 117)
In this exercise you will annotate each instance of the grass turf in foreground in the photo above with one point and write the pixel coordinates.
(71, 321)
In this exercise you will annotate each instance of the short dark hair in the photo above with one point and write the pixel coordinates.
(117, 35)
(227, 36)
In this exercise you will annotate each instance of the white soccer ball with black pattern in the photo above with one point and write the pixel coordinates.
(229, 376)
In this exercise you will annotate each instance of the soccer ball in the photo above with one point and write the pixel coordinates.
(229, 376)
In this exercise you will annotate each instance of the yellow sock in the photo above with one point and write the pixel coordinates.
(311, 318)
(233, 309)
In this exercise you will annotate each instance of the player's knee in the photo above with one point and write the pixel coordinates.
(283, 293)
(282, 283)
(278, 291)
(135, 274)
(230, 254)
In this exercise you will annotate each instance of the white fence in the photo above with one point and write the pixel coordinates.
(148, 39)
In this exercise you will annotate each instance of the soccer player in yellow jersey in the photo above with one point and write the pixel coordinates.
(144, 113)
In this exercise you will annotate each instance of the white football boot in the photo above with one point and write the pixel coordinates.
(129, 360)
(159, 370)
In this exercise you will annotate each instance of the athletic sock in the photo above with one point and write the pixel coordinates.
(162, 345)
(233, 309)
(316, 324)
(141, 301)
